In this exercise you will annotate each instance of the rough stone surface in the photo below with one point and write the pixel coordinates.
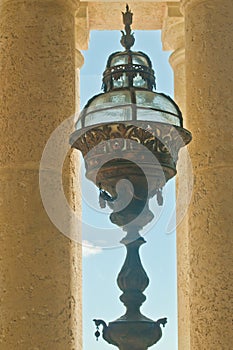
(173, 39)
(209, 58)
(40, 269)
(177, 60)
(107, 15)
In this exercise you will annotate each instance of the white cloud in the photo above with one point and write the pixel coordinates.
(89, 249)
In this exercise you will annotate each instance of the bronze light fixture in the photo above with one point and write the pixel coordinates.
(130, 132)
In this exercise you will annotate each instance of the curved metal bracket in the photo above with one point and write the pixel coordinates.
(104, 198)
(99, 323)
(162, 321)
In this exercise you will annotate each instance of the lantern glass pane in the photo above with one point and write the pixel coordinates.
(118, 60)
(139, 60)
(157, 116)
(123, 81)
(138, 81)
(78, 125)
(109, 115)
(120, 97)
(109, 100)
(164, 103)
(155, 100)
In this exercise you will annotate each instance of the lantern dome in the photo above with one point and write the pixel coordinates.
(128, 84)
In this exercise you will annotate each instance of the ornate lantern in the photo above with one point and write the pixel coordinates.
(130, 132)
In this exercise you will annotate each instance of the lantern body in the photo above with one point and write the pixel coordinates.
(120, 129)
(130, 132)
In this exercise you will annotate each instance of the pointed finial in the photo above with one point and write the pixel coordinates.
(127, 16)
(127, 39)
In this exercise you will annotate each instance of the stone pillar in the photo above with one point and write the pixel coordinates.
(40, 269)
(173, 40)
(82, 34)
(209, 108)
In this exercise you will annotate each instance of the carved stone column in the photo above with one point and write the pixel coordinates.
(209, 108)
(82, 33)
(173, 40)
(40, 269)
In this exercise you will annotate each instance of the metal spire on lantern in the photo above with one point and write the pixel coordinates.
(127, 39)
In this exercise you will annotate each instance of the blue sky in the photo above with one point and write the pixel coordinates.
(102, 264)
